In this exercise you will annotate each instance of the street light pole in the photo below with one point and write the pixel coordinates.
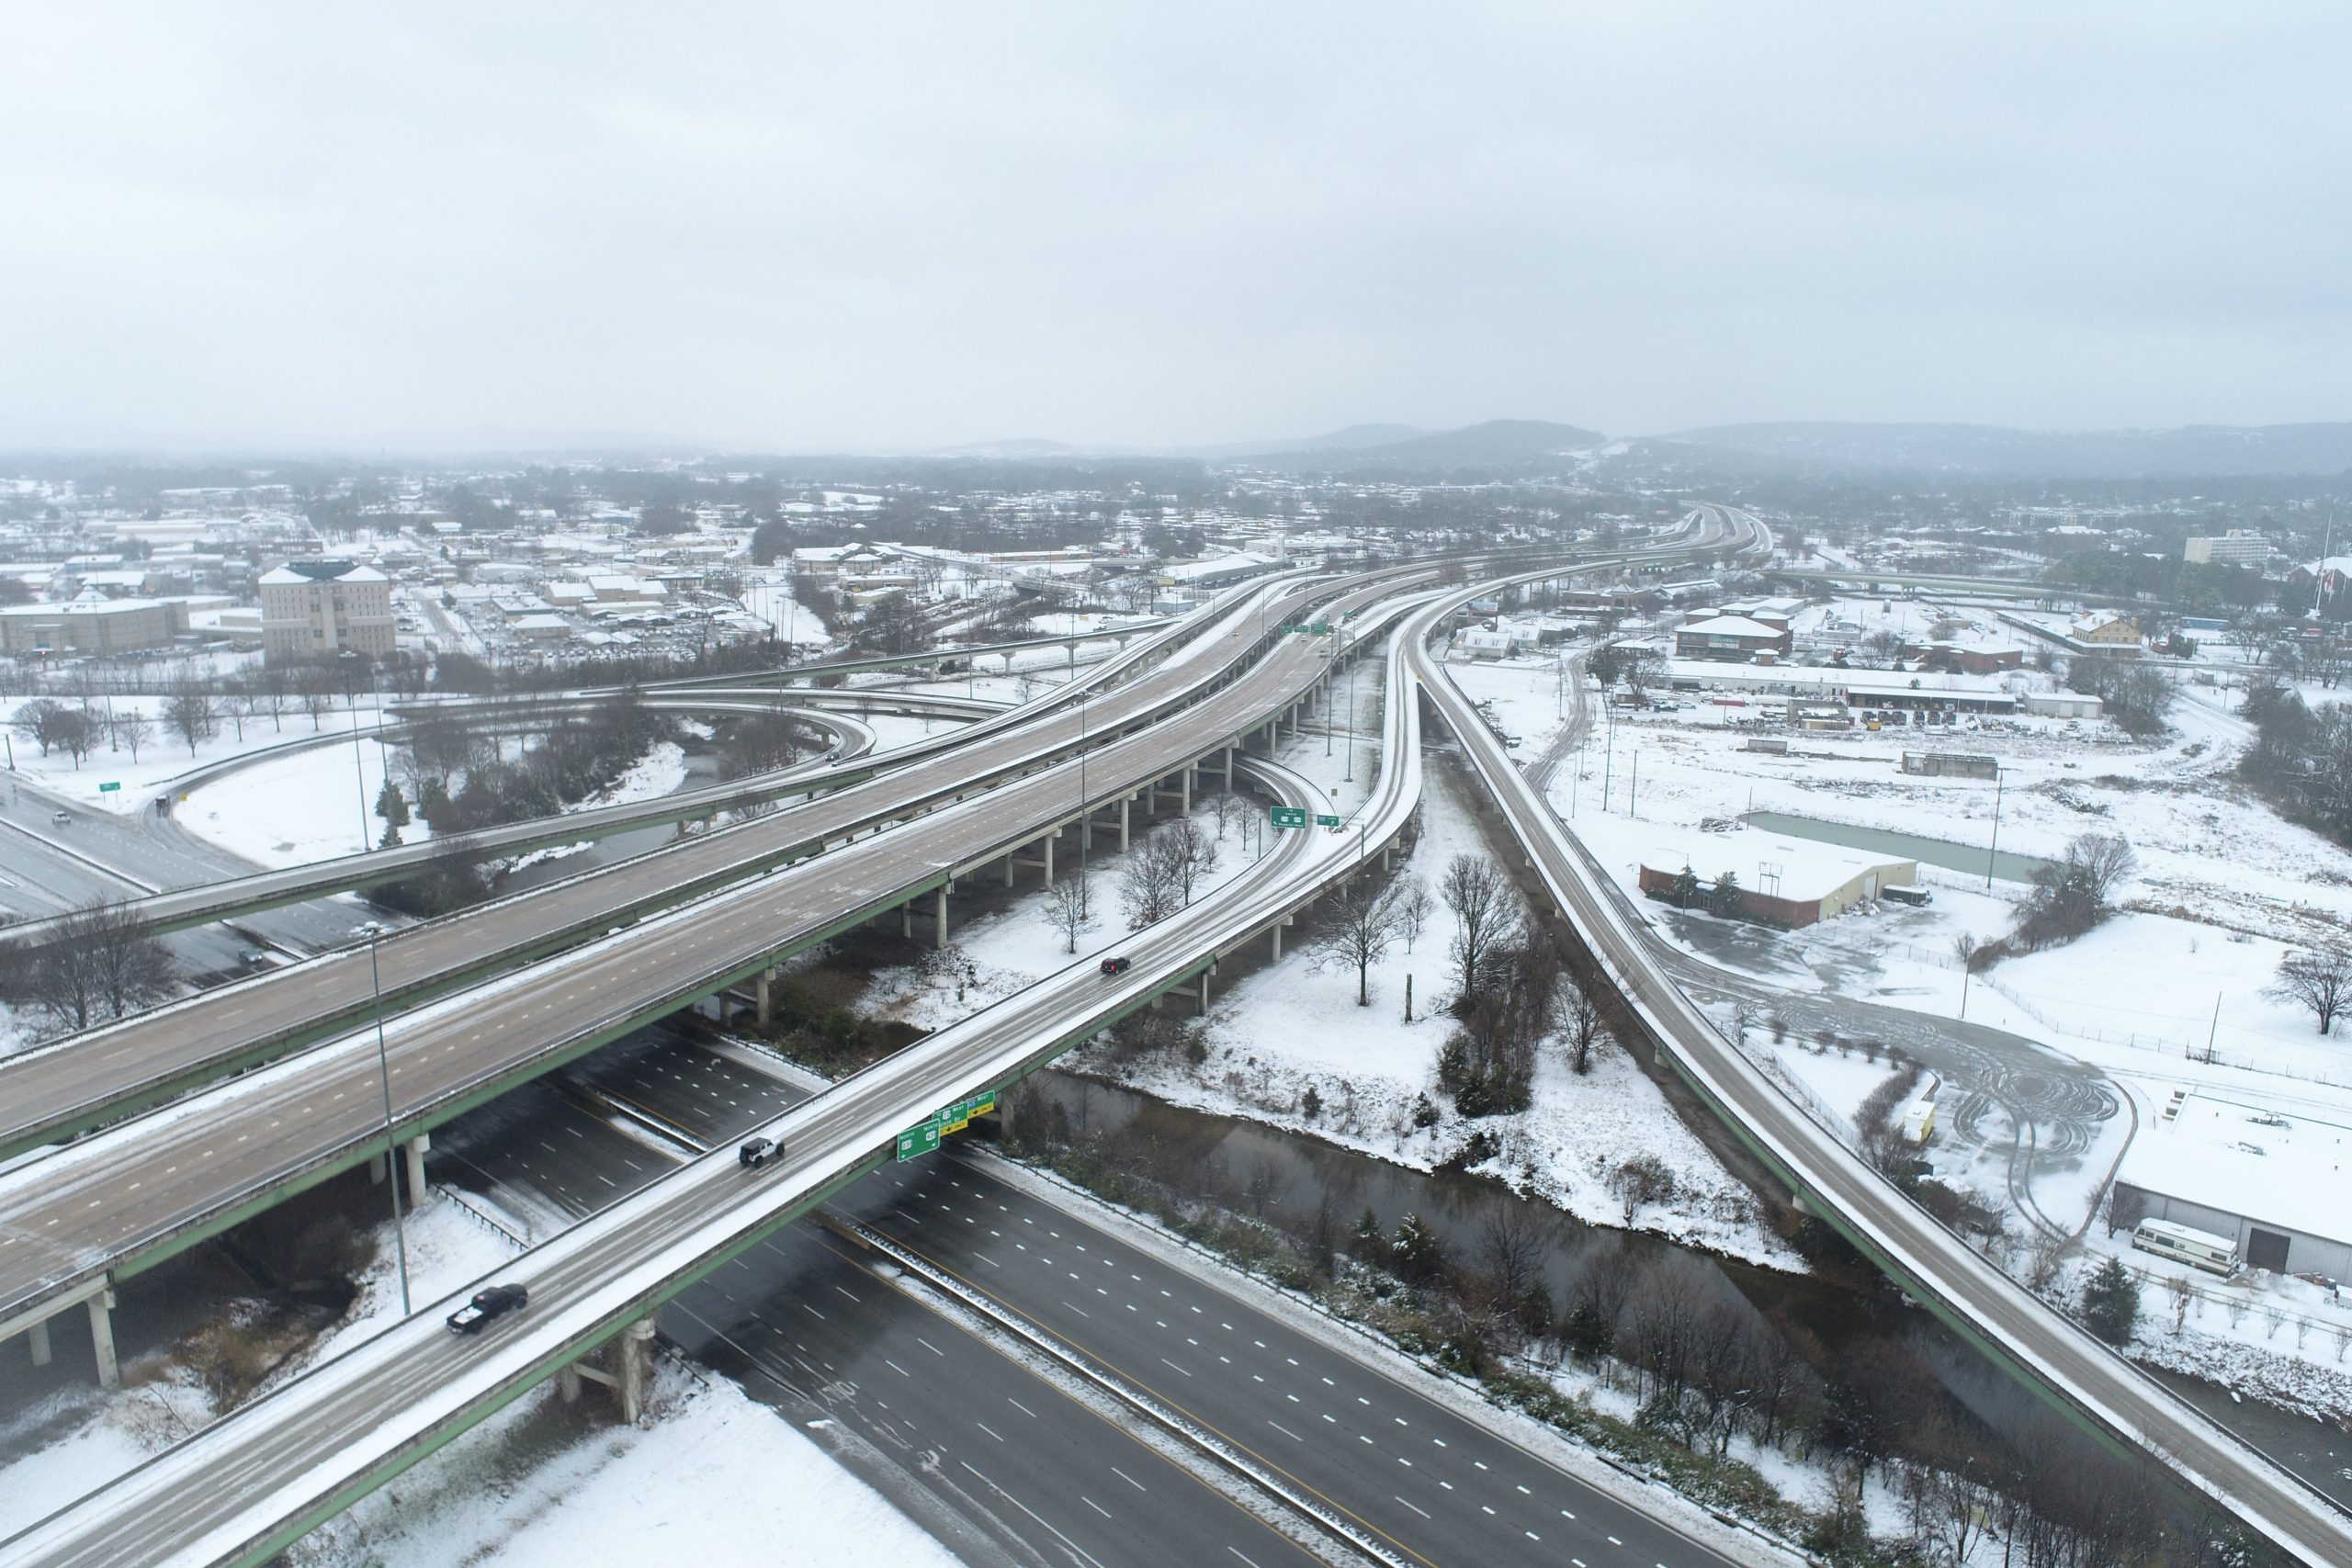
(358, 763)
(1085, 810)
(1350, 774)
(392, 1150)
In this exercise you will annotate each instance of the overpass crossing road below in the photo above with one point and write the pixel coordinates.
(120, 1199)
(88, 1080)
(258, 1479)
(2014, 1328)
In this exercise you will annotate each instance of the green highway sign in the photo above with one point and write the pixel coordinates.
(1322, 820)
(1287, 815)
(109, 786)
(916, 1141)
(1320, 627)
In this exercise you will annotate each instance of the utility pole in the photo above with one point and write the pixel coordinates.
(1993, 851)
(392, 1150)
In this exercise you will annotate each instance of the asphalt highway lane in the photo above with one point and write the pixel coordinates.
(1436, 1487)
(1045, 1477)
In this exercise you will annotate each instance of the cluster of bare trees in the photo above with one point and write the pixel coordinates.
(1163, 871)
(101, 964)
(2302, 756)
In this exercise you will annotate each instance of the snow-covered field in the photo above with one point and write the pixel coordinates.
(163, 758)
(307, 806)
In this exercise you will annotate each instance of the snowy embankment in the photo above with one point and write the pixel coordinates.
(1295, 1026)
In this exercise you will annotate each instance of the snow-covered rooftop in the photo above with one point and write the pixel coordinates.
(1804, 868)
(2291, 1170)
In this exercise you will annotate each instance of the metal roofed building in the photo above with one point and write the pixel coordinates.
(2279, 1184)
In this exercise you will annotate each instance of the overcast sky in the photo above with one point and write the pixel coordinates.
(876, 226)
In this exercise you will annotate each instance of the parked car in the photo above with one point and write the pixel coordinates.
(1116, 965)
(488, 1306)
(757, 1152)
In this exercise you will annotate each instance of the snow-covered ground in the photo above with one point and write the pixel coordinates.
(291, 810)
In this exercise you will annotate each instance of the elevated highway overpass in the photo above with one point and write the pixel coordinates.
(124, 1198)
(86, 1080)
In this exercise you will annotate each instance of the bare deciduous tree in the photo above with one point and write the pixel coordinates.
(1485, 915)
(1577, 1018)
(188, 713)
(2319, 980)
(1151, 888)
(1362, 923)
(1191, 854)
(1067, 910)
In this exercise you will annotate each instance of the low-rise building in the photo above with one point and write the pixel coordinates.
(1782, 882)
(2105, 629)
(1732, 638)
(2273, 1182)
(87, 625)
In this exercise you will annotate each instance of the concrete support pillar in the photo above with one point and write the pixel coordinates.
(102, 1338)
(1049, 842)
(1007, 868)
(1205, 993)
(1124, 807)
(568, 1383)
(1228, 770)
(939, 919)
(761, 992)
(1383, 857)
(1278, 941)
(376, 1170)
(907, 919)
(415, 1148)
(39, 1336)
(1184, 789)
(1152, 799)
(633, 1377)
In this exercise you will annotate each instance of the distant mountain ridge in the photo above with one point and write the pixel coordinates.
(1495, 447)
(1996, 451)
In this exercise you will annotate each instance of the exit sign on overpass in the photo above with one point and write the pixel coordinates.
(1322, 820)
(1287, 815)
(952, 1117)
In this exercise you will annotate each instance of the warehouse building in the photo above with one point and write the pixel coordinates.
(1782, 882)
(2274, 1183)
